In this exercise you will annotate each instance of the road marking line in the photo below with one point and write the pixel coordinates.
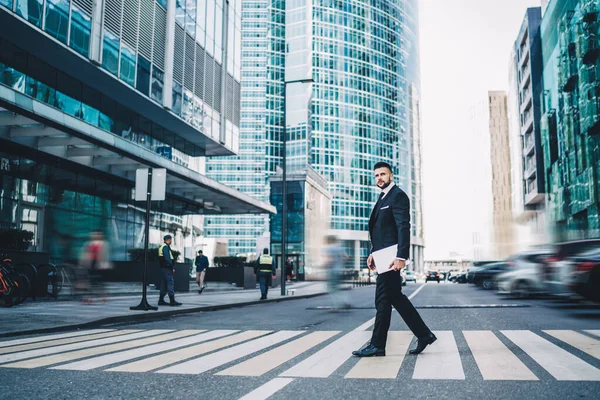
(558, 362)
(115, 358)
(440, 360)
(52, 337)
(594, 332)
(76, 346)
(214, 360)
(94, 351)
(324, 362)
(579, 341)
(494, 360)
(370, 322)
(173, 357)
(384, 367)
(272, 359)
(268, 389)
(40, 345)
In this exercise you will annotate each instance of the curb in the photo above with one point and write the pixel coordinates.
(153, 316)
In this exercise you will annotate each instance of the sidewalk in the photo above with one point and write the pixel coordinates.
(50, 316)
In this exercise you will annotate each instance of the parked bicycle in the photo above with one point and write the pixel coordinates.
(15, 286)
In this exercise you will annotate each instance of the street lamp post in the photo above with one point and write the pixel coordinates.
(284, 183)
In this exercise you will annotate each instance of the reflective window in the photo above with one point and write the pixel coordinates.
(201, 22)
(7, 3)
(68, 104)
(190, 25)
(180, 12)
(127, 71)
(188, 106)
(143, 75)
(110, 53)
(163, 3)
(12, 78)
(176, 98)
(31, 10)
(57, 19)
(81, 26)
(157, 84)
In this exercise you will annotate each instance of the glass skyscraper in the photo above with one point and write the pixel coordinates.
(351, 76)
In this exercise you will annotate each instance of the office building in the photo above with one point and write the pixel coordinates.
(527, 160)
(90, 91)
(571, 116)
(351, 83)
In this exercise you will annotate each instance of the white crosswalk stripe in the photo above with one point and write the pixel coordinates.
(579, 341)
(52, 337)
(94, 351)
(223, 357)
(558, 362)
(594, 332)
(567, 355)
(39, 345)
(115, 358)
(441, 360)
(494, 359)
(384, 367)
(326, 361)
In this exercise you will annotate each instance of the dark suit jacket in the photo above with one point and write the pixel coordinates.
(390, 223)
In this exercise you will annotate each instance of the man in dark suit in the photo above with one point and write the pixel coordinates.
(390, 225)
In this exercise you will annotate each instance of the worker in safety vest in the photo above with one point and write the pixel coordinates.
(167, 272)
(264, 270)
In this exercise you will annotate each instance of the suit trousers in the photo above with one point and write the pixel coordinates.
(387, 294)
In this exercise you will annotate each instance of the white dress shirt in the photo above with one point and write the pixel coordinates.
(385, 192)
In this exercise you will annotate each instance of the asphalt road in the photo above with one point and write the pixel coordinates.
(520, 349)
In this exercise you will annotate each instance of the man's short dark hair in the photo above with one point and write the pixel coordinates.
(265, 251)
(382, 164)
(200, 252)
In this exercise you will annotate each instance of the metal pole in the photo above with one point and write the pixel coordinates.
(284, 195)
(144, 305)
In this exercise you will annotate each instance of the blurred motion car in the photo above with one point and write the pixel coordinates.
(432, 276)
(461, 278)
(558, 267)
(411, 276)
(585, 275)
(474, 266)
(486, 275)
(526, 277)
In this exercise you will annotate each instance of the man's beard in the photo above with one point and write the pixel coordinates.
(385, 185)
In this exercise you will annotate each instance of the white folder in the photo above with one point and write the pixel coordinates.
(384, 257)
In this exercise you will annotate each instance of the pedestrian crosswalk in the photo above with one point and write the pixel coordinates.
(506, 355)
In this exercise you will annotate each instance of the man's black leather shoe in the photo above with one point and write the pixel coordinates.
(423, 342)
(162, 302)
(369, 351)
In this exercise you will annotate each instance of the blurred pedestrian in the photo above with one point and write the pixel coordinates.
(94, 260)
(201, 266)
(289, 269)
(167, 271)
(335, 258)
(265, 268)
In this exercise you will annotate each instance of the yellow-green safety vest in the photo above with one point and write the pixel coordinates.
(265, 260)
(161, 257)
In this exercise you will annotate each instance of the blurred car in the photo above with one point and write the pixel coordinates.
(526, 278)
(558, 267)
(476, 265)
(411, 276)
(432, 276)
(486, 275)
(585, 275)
(461, 278)
(403, 277)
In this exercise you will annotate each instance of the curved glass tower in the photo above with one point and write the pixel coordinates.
(349, 74)
(363, 107)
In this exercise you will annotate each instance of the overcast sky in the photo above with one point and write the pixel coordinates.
(465, 51)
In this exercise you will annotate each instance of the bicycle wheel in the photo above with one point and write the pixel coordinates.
(17, 286)
(23, 288)
(30, 271)
(67, 275)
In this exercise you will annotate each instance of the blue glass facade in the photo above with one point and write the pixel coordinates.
(362, 58)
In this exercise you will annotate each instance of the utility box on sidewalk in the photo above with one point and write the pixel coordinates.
(182, 278)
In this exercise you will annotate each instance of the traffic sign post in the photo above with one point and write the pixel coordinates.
(152, 184)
